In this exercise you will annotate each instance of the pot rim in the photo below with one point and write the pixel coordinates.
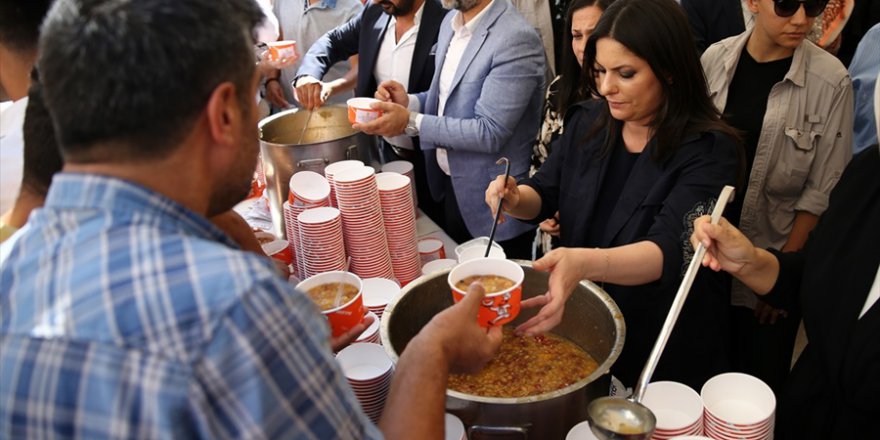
(601, 370)
(271, 118)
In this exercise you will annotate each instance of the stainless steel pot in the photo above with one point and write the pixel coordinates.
(329, 138)
(591, 320)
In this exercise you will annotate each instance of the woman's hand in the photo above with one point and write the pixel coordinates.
(567, 268)
(551, 225)
(499, 189)
(726, 247)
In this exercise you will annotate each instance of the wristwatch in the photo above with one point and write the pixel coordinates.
(411, 129)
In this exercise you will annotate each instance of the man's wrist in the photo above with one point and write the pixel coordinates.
(412, 125)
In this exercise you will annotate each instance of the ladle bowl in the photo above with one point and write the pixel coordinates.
(616, 418)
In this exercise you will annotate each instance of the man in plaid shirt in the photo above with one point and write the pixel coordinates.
(124, 313)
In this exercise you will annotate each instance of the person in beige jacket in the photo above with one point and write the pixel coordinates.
(793, 104)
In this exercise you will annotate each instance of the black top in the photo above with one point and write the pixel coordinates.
(658, 203)
(713, 20)
(833, 388)
(747, 98)
(620, 164)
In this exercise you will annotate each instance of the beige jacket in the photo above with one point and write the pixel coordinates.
(805, 141)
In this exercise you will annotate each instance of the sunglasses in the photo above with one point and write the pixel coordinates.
(787, 8)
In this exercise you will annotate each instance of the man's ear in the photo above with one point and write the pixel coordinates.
(224, 114)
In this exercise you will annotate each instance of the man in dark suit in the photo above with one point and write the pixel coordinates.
(394, 41)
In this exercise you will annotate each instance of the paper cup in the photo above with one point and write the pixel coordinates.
(348, 315)
(581, 431)
(281, 50)
(438, 266)
(480, 242)
(677, 406)
(454, 428)
(279, 250)
(473, 252)
(738, 399)
(431, 249)
(497, 308)
(359, 110)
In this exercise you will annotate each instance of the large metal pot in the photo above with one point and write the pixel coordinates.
(591, 320)
(329, 138)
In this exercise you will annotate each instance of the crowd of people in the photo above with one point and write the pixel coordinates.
(134, 303)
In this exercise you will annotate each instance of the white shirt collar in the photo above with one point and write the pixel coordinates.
(467, 29)
(417, 19)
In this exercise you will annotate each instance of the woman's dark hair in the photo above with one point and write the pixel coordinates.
(42, 158)
(571, 86)
(657, 31)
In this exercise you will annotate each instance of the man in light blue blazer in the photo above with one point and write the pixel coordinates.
(484, 103)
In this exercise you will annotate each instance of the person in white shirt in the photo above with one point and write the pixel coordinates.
(19, 32)
(394, 40)
(484, 103)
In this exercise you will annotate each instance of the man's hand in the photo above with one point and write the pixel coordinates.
(392, 91)
(311, 93)
(345, 339)
(275, 94)
(392, 122)
(466, 346)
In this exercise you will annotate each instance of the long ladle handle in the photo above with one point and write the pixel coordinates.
(678, 302)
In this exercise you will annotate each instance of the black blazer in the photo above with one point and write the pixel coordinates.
(363, 35)
(833, 388)
(713, 20)
(659, 203)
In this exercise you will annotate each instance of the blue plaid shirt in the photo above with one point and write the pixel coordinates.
(125, 315)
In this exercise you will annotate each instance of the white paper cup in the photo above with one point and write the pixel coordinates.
(454, 428)
(364, 361)
(675, 405)
(438, 266)
(474, 252)
(738, 399)
(581, 431)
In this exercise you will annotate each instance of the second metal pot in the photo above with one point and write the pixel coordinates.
(328, 138)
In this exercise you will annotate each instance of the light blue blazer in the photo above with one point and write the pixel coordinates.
(493, 110)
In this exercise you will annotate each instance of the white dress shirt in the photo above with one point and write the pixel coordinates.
(394, 60)
(462, 34)
(11, 151)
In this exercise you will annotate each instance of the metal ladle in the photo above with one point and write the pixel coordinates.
(616, 418)
(501, 200)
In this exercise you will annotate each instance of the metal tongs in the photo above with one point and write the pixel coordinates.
(500, 201)
(618, 418)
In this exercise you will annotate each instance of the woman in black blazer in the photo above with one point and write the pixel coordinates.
(628, 176)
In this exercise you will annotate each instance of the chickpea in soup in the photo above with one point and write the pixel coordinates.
(491, 283)
(324, 295)
(527, 366)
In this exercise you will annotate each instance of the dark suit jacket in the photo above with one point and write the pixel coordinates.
(363, 35)
(832, 391)
(659, 203)
(713, 20)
